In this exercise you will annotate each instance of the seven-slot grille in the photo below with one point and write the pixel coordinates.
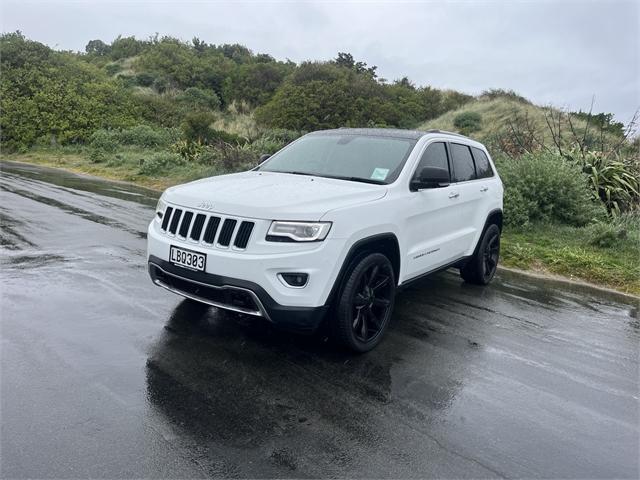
(209, 229)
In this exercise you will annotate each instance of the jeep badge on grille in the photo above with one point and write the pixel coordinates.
(205, 206)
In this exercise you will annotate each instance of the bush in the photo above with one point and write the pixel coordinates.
(198, 98)
(197, 128)
(159, 163)
(612, 181)
(158, 109)
(189, 151)
(112, 68)
(605, 235)
(273, 140)
(615, 230)
(546, 188)
(140, 135)
(495, 93)
(104, 140)
(97, 155)
(145, 79)
(467, 122)
(146, 136)
(228, 158)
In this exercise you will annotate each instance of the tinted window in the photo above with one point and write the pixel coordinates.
(483, 167)
(434, 156)
(365, 157)
(463, 168)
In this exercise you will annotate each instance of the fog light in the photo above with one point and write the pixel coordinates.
(297, 280)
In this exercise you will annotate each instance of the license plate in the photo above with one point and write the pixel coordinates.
(187, 258)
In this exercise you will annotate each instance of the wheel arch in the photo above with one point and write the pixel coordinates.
(385, 243)
(495, 217)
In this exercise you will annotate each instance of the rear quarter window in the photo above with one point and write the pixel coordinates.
(463, 167)
(483, 167)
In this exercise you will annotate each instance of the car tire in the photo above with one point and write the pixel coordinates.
(365, 302)
(482, 266)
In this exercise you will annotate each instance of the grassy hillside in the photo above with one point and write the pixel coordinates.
(511, 124)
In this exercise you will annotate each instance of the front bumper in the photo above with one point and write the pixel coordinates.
(234, 295)
(262, 261)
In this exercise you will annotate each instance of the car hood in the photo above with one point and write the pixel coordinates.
(271, 195)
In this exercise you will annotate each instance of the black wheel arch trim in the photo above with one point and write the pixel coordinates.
(356, 250)
(487, 222)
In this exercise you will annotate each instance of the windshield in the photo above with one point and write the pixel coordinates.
(351, 157)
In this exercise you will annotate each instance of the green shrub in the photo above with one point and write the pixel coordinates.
(158, 109)
(546, 188)
(612, 180)
(235, 158)
(104, 140)
(159, 163)
(495, 93)
(112, 68)
(273, 140)
(145, 79)
(140, 135)
(188, 150)
(97, 155)
(146, 136)
(605, 235)
(615, 230)
(161, 84)
(198, 98)
(467, 122)
(197, 127)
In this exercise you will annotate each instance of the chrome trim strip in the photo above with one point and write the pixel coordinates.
(261, 312)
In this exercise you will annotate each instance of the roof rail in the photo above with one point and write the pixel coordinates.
(435, 130)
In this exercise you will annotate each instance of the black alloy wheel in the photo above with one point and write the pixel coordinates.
(482, 266)
(490, 256)
(366, 302)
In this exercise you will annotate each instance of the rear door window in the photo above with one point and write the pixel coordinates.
(483, 167)
(463, 167)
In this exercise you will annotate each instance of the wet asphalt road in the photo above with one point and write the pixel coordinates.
(105, 375)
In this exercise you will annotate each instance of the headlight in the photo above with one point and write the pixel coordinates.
(298, 231)
(160, 208)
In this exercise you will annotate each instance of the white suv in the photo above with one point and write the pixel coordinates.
(331, 226)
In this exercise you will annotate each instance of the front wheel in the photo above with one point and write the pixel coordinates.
(482, 266)
(365, 303)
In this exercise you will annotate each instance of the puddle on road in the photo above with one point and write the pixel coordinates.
(84, 183)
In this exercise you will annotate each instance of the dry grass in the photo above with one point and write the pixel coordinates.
(497, 114)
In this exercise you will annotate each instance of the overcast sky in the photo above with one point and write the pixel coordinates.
(560, 52)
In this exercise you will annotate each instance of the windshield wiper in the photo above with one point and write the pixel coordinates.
(295, 173)
(356, 179)
(337, 177)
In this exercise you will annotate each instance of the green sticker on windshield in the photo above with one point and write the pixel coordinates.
(379, 174)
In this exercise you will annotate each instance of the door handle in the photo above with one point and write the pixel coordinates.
(484, 189)
(454, 195)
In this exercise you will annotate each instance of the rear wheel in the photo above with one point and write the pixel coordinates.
(365, 303)
(481, 268)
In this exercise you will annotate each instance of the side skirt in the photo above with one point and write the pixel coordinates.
(455, 264)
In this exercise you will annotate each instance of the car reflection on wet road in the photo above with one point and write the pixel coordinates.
(105, 375)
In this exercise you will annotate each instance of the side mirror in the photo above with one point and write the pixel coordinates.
(431, 177)
(263, 157)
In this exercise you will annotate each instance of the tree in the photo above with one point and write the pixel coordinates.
(346, 60)
(98, 48)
